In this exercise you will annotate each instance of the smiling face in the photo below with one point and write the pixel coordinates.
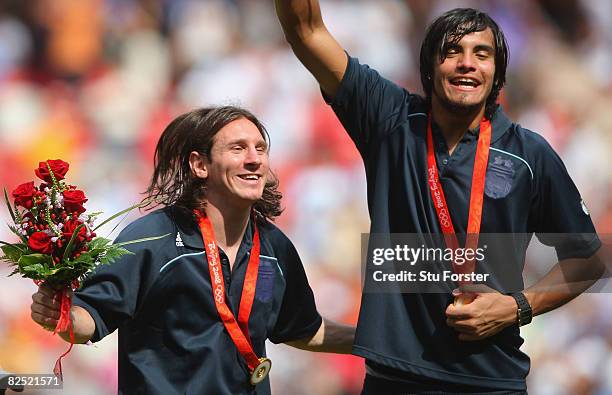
(463, 80)
(236, 172)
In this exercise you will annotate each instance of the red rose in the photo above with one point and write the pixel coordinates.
(58, 167)
(69, 228)
(23, 195)
(41, 242)
(73, 200)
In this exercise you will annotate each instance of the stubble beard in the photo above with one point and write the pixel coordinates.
(459, 107)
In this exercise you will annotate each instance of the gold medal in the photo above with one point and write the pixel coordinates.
(463, 299)
(261, 371)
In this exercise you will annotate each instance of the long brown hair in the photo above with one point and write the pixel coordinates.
(449, 29)
(173, 183)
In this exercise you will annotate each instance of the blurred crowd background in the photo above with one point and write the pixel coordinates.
(94, 82)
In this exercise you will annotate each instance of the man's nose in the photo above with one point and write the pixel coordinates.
(253, 156)
(466, 62)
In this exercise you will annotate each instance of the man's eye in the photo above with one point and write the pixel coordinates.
(261, 149)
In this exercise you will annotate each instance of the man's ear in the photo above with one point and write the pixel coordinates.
(198, 165)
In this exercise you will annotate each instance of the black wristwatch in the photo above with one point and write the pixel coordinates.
(524, 313)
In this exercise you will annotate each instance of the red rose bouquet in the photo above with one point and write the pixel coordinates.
(58, 244)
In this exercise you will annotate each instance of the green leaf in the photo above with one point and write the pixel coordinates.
(34, 259)
(96, 246)
(112, 254)
(18, 216)
(33, 271)
(70, 244)
(23, 246)
(35, 266)
(11, 244)
(8, 204)
(140, 240)
(101, 256)
(98, 242)
(127, 210)
(87, 259)
(12, 252)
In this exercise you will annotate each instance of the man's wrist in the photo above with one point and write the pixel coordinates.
(524, 312)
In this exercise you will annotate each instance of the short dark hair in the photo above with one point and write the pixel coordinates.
(449, 29)
(173, 182)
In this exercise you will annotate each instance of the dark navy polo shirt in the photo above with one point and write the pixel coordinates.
(171, 339)
(527, 191)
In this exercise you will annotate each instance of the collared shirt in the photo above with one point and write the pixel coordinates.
(527, 191)
(171, 339)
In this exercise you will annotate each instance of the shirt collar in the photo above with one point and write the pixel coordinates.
(499, 126)
(500, 123)
(190, 231)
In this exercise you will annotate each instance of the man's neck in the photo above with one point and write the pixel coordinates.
(454, 125)
(229, 223)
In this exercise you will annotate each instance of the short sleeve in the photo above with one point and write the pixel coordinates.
(298, 317)
(368, 105)
(112, 293)
(559, 216)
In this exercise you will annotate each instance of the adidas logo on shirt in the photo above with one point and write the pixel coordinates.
(179, 241)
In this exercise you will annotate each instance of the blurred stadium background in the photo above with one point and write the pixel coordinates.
(95, 81)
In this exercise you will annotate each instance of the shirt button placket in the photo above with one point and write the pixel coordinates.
(226, 276)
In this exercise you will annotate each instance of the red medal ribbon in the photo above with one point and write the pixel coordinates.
(238, 330)
(476, 195)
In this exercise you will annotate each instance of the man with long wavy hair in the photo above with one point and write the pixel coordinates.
(194, 310)
(451, 162)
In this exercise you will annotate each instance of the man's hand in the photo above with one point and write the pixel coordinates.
(46, 313)
(331, 337)
(312, 43)
(46, 307)
(487, 314)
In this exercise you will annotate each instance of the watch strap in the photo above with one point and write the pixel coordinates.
(524, 313)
